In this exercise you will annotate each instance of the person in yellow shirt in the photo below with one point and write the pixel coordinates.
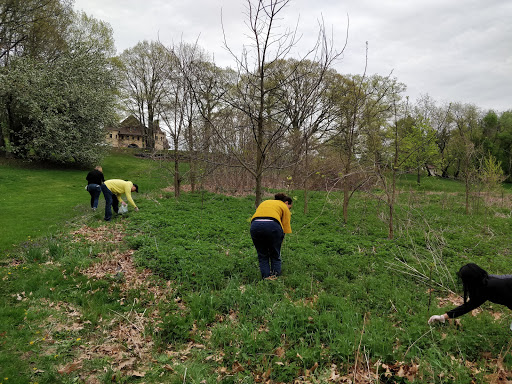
(115, 189)
(268, 225)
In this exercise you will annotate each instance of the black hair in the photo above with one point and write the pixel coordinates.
(136, 187)
(473, 279)
(283, 198)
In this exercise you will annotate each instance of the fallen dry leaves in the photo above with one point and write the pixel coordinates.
(105, 234)
(122, 341)
(451, 299)
(373, 373)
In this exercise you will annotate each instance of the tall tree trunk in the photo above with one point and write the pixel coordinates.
(346, 198)
(260, 160)
(193, 171)
(258, 179)
(191, 157)
(391, 195)
(6, 128)
(391, 203)
(177, 176)
(467, 188)
(429, 173)
(346, 188)
(150, 139)
(444, 174)
(306, 175)
(260, 155)
(4, 140)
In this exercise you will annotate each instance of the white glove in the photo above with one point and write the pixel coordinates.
(436, 318)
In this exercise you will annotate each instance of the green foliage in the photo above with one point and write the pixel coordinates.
(56, 107)
(491, 173)
(346, 292)
(60, 110)
(34, 28)
(418, 146)
(337, 279)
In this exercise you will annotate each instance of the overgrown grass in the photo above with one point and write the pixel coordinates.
(344, 287)
(350, 303)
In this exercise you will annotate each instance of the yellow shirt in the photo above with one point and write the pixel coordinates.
(277, 210)
(119, 187)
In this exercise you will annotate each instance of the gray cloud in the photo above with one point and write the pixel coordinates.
(454, 51)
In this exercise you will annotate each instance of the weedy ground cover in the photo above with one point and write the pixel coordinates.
(351, 304)
(348, 294)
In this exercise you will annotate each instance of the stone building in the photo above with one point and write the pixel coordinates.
(129, 133)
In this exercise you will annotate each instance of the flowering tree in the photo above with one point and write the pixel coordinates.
(56, 110)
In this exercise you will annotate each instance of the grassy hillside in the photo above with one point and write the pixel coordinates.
(38, 201)
(172, 293)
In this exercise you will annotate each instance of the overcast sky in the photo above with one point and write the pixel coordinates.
(455, 51)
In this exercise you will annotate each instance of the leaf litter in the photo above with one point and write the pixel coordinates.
(123, 340)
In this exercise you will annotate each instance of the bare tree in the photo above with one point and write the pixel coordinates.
(465, 119)
(207, 83)
(308, 111)
(260, 85)
(386, 151)
(362, 105)
(144, 69)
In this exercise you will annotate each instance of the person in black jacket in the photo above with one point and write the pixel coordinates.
(95, 180)
(479, 287)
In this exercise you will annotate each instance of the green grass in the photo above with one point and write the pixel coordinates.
(37, 201)
(344, 299)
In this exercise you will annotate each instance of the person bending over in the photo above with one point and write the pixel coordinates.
(115, 189)
(268, 225)
(479, 287)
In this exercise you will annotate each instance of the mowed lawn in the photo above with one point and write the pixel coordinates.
(36, 201)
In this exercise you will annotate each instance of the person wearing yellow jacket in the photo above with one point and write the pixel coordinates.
(268, 225)
(115, 189)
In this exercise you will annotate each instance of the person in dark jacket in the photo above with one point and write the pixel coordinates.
(479, 287)
(95, 180)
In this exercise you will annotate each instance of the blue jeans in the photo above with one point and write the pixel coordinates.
(111, 201)
(95, 192)
(267, 237)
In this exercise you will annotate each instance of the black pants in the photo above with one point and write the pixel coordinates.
(111, 201)
(267, 237)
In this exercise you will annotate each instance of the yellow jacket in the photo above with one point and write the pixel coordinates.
(118, 187)
(277, 210)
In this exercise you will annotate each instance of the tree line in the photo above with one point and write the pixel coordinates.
(278, 117)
